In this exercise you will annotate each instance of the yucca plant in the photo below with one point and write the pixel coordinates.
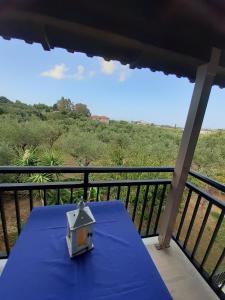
(30, 157)
(27, 157)
(51, 158)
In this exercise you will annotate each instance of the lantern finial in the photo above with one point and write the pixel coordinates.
(81, 204)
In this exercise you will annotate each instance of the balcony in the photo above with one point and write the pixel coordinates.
(198, 245)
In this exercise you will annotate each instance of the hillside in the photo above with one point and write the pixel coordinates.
(65, 134)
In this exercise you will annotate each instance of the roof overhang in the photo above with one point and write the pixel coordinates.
(160, 37)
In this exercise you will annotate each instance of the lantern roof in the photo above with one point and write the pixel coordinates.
(80, 217)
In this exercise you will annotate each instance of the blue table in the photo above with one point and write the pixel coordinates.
(118, 268)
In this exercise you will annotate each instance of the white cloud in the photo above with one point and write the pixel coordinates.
(57, 72)
(107, 67)
(91, 74)
(123, 74)
(79, 75)
(60, 71)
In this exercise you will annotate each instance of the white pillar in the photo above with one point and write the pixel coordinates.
(204, 81)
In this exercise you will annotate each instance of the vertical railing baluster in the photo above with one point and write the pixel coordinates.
(201, 229)
(86, 181)
(97, 196)
(143, 208)
(151, 209)
(108, 193)
(183, 215)
(136, 202)
(18, 220)
(160, 207)
(58, 196)
(71, 195)
(4, 225)
(218, 264)
(192, 221)
(45, 197)
(219, 222)
(118, 193)
(222, 286)
(128, 196)
(31, 199)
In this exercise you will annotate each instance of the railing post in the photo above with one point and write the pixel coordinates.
(86, 181)
(204, 80)
(4, 226)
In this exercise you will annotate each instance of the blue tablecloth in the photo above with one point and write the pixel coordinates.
(118, 268)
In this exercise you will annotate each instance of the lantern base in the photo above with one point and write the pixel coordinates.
(78, 252)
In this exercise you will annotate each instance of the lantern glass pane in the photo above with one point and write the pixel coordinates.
(82, 236)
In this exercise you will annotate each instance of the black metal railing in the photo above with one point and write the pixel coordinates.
(143, 198)
(200, 226)
(200, 230)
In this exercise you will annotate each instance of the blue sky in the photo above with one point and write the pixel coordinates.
(32, 75)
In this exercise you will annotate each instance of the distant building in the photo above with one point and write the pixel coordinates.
(206, 131)
(140, 123)
(102, 119)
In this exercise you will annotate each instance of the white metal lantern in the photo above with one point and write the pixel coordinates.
(79, 230)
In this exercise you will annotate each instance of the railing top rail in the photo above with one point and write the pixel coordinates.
(79, 184)
(207, 196)
(39, 186)
(64, 169)
(105, 183)
(219, 186)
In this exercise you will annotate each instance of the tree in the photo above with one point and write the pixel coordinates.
(119, 148)
(6, 154)
(6, 158)
(42, 107)
(51, 131)
(83, 147)
(5, 100)
(81, 110)
(64, 105)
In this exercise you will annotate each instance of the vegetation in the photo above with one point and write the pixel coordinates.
(66, 130)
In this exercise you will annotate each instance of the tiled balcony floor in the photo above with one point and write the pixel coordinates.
(181, 278)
